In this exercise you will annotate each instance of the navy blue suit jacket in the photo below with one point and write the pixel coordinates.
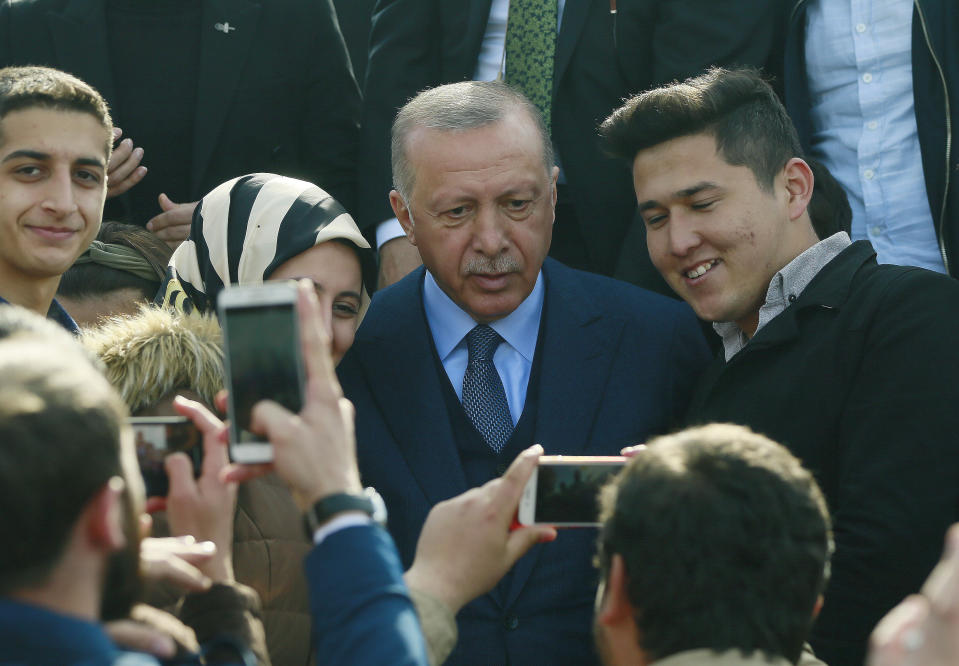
(618, 366)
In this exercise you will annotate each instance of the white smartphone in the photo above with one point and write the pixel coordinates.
(261, 345)
(564, 490)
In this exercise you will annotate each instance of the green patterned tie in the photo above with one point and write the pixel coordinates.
(530, 46)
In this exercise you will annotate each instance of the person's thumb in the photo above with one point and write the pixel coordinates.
(165, 202)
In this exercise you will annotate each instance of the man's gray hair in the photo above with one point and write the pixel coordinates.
(454, 107)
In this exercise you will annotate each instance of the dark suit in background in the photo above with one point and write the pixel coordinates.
(354, 18)
(614, 365)
(275, 91)
(417, 44)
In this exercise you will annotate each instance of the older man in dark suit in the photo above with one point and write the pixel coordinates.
(493, 347)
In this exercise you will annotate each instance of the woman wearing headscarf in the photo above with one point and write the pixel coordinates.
(266, 227)
(249, 230)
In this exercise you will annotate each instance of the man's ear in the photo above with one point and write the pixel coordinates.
(799, 186)
(616, 607)
(104, 517)
(402, 212)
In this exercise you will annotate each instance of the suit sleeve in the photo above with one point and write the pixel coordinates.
(330, 131)
(897, 474)
(403, 60)
(362, 612)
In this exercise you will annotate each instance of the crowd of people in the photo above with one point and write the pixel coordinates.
(716, 238)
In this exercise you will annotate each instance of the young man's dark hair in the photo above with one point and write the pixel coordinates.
(725, 539)
(737, 107)
(60, 432)
(46, 88)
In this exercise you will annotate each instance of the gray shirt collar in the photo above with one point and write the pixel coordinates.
(785, 287)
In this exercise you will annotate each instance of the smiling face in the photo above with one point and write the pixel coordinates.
(715, 235)
(335, 270)
(52, 189)
(481, 211)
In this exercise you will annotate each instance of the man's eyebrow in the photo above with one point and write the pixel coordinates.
(91, 161)
(37, 155)
(680, 194)
(31, 154)
(696, 189)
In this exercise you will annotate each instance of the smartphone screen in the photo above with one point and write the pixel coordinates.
(264, 364)
(157, 437)
(567, 494)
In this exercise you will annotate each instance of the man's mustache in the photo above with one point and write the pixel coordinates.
(501, 263)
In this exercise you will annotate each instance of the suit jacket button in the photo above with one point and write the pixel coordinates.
(510, 622)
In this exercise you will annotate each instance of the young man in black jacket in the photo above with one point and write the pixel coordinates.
(842, 360)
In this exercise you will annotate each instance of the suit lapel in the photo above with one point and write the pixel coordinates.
(400, 339)
(223, 52)
(571, 27)
(80, 38)
(578, 348)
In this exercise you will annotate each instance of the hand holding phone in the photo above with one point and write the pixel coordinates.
(563, 491)
(156, 437)
(203, 505)
(466, 545)
(315, 449)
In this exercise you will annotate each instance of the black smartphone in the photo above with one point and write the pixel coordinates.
(263, 361)
(156, 437)
(564, 490)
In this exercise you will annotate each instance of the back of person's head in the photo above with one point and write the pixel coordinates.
(725, 539)
(737, 107)
(153, 355)
(23, 88)
(457, 107)
(60, 426)
(125, 265)
(829, 207)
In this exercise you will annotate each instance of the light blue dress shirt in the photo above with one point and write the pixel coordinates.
(513, 359)
(859, 69)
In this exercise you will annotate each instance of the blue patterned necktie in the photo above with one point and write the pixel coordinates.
(530, 50)
(483, 396)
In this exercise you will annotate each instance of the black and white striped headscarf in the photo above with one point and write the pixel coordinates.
(248, 227)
